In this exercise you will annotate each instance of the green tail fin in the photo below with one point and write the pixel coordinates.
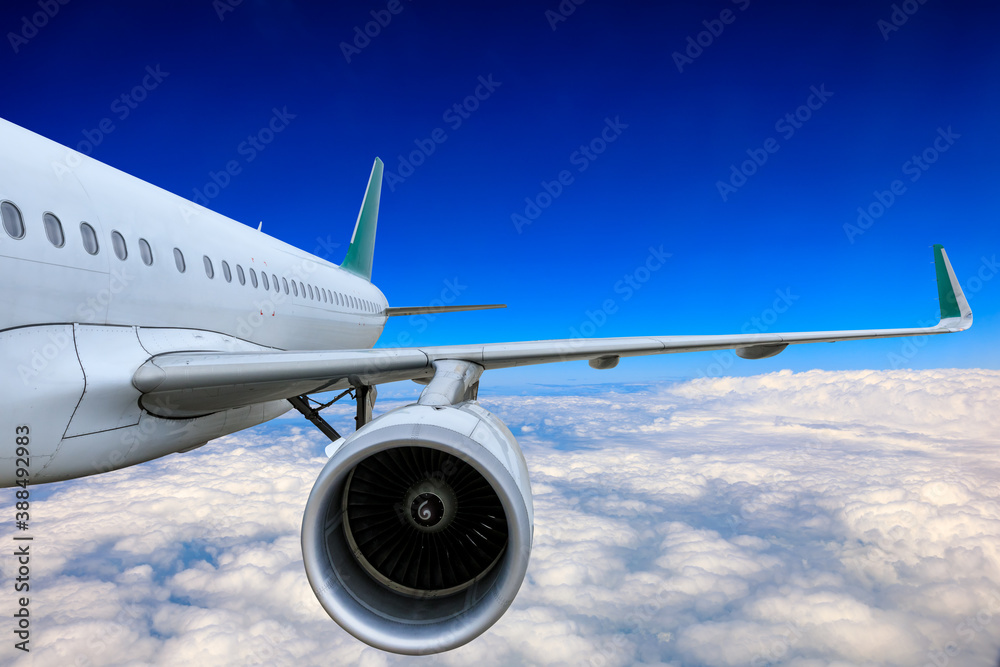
(362, 249)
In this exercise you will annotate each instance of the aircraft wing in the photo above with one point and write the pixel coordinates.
(188, 384)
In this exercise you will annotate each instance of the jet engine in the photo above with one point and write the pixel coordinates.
(417, 533)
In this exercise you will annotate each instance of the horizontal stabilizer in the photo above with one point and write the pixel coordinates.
(426, 310)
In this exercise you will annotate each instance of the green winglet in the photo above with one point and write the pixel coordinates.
(951, 303)
(362, 249)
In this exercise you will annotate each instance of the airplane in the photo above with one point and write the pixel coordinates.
(136, 324)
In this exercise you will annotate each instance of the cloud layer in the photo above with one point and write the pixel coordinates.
(819, 518)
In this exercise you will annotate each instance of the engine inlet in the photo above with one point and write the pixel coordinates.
(422, 521)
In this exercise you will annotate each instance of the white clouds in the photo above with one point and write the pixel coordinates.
(813, 518)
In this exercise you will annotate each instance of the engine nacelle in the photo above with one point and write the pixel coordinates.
(417, 533)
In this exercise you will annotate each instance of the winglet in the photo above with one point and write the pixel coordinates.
(955, 312)
(362, 249)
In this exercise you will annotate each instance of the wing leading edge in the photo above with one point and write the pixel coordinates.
(187, 384)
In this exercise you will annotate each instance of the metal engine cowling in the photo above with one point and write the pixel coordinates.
(417, 533)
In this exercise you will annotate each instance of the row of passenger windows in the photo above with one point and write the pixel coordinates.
(13, 224)
(293, 287)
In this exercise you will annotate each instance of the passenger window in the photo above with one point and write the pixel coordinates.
(295, 288)
(118, 245)
(145, 252)
(179, 260)
(239, 274)
(263, 279)
(53, 230)
(13, 223)
(302, 288)
(274, 279)
(209, 270)
(284, 282)
(253, 277)
(325, 299)
(226, 273)
(89, 238)
(337, 295)
(310, 291)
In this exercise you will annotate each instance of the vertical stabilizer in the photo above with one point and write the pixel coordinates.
(359, 255)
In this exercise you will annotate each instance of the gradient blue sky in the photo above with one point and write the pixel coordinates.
(655, 185)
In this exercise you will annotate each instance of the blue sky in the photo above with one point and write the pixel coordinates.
(775, 242)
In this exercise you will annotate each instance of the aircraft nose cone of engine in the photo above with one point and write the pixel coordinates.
(427, 510)
(430, 505)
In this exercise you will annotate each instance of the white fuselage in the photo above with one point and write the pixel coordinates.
(74, 326)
